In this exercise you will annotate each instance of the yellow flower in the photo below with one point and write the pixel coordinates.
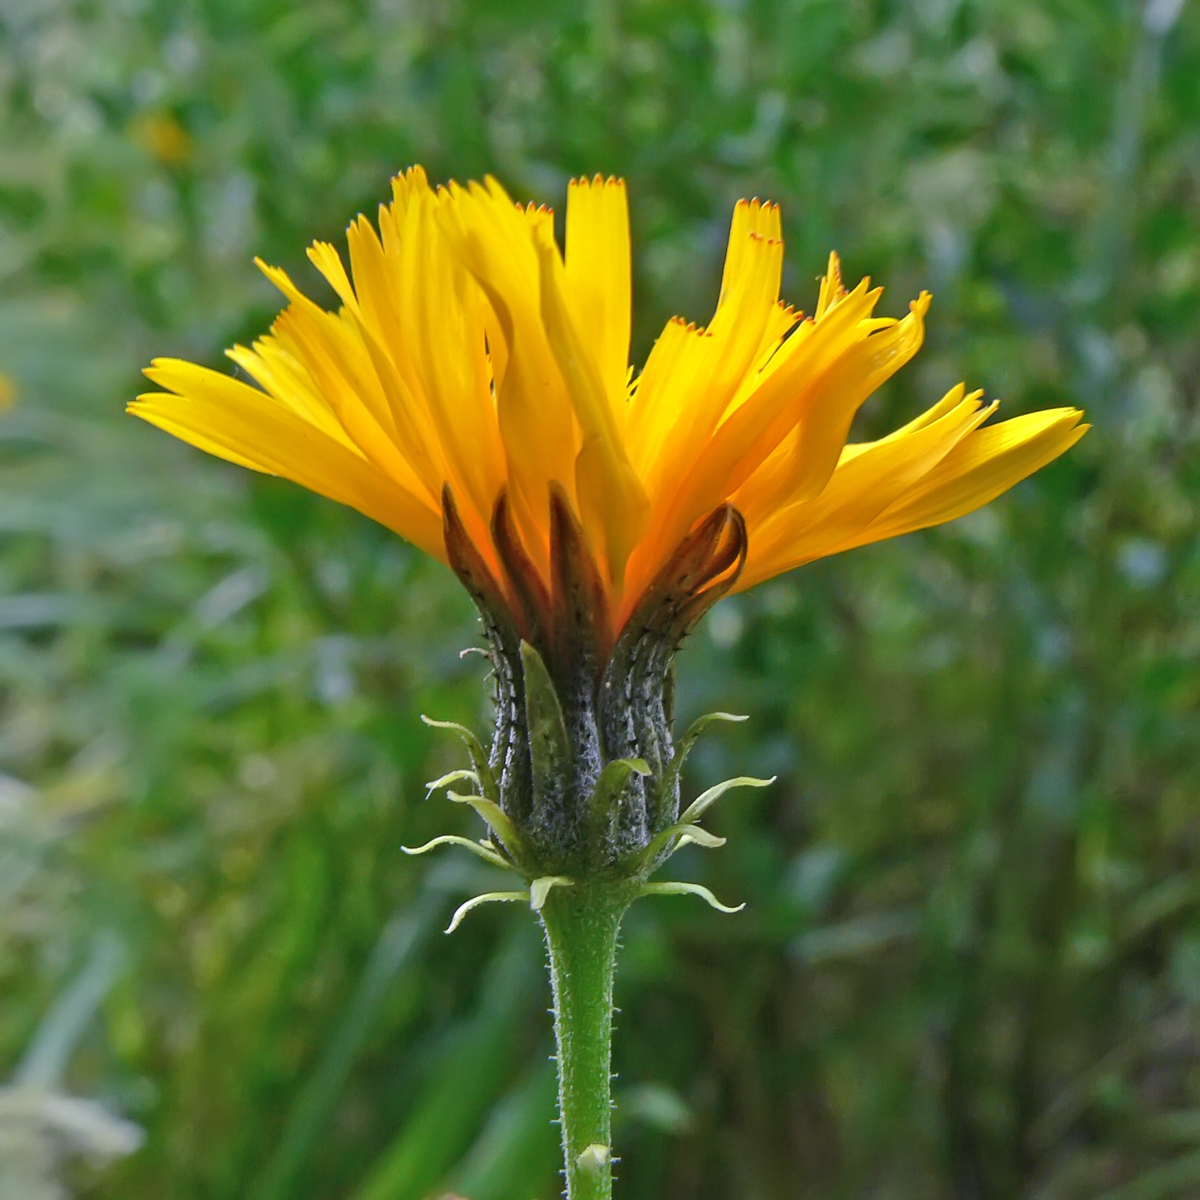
(163, 136)
(476, 377)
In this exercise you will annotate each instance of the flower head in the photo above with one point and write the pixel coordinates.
(473, 393)
(470, 355)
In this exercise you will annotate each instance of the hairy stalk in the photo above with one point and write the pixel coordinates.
(582, 923)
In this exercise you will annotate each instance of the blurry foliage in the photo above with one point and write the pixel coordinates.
(970, 965)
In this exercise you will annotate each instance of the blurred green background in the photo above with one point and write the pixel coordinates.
(970, 963)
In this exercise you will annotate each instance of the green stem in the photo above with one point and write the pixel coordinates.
(582, 923)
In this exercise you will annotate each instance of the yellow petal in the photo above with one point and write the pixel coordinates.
(677, 421)
(343, 372)
(869, 477)
(956, 476)
(495, 241)
(327, 260)
(674, 371)
(989, 462)
(832, 292)
(750, 218)
(440, 348)
(840, 392)
(278, 372)
(333, 352)
(597, 278)
(246, 426)
(612, 503)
